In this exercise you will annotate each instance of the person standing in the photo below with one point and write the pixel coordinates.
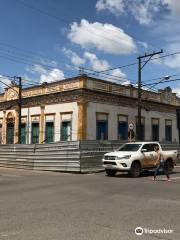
(160, 164)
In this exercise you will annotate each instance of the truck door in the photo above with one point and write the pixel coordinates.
(153, 145)
(148, 156)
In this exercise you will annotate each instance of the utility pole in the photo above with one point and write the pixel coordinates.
(140, 67)
(19, 108)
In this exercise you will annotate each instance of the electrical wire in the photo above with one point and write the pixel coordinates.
(162, 77)
(155, 58)
(30, 63)
(165, 81)
(26, 58)
(65, 20)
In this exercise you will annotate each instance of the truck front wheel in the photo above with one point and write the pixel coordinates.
(110, 172)
(135, 170)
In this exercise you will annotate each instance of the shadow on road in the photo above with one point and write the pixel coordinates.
(143, 174)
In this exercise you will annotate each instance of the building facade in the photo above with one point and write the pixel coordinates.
(85, 108)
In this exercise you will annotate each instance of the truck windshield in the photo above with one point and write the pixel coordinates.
(130, 147)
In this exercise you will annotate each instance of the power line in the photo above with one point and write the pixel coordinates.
(131, 64)
(7, 85)
(3, 76)
(34, 56)
(87, 69)
(26, 58)
(123, 66)
(64, 20)
(167, 55)
(140, 67)
(108, 78)
(153, 79)
(29, 63)
(165, 81)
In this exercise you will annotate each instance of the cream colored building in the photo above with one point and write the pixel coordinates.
(85, 108)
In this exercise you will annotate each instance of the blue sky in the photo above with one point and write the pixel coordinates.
(45, 40)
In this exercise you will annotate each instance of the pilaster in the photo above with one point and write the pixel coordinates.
(82, 120)
(16, 127)
(42, 126)
(4, 128)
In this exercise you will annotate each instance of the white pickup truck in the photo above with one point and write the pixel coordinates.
(136, 157)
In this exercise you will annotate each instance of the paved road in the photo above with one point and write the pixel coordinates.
(57, 206)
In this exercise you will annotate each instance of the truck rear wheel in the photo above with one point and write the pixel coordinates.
(110, 172)
(135, 170)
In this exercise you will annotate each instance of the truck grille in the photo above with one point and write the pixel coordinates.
(108, 162)
(109, 157)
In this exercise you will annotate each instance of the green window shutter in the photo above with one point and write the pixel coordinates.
(35, 133)
(49, 136)
(10, 133)
(23, 133)
(66, 131)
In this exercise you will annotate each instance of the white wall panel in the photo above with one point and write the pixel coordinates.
(114, 111)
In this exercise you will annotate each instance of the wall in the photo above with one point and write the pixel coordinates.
(113, 112)
(73, 156)
(63, 108)
(62, 156)
(54, 109)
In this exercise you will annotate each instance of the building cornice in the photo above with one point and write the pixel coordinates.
(85, 82)
(87, 95)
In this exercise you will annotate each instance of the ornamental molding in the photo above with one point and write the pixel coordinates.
(85, 96)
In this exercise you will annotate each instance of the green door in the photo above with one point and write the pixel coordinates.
(35, 133)
(10, 133)
(66, 131)
(49, 136)
(23, 133)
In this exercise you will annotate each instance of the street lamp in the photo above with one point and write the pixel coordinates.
(167, 77)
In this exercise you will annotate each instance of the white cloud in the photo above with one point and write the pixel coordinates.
(95, 63)
(143, 44)
(114, 6)
(117, 73)
(47, 75)
(51, 76)
(48, 62)
(173, 61)
(142, 10)
(157, 60)
(177, 90)
(39, 69)
(75, 59)
(104, 37)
